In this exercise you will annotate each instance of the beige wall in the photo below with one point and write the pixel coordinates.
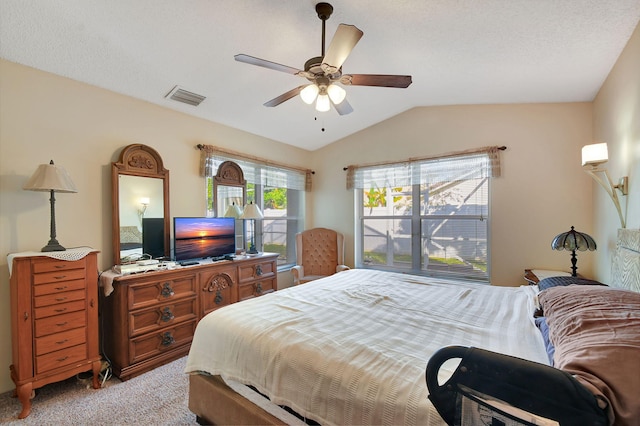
(541, 193)
(83, 129)
(616, 113)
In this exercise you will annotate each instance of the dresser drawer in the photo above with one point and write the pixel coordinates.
(155, 343)
(59, 287)
(218, 289)
(62, 297)
(50, 265)
(56, 342)
(58, 276)
(257, 288)
(59, 308)
(59, 323)
(152, 319)
(258, 270)
(150, 293)
(61, 358)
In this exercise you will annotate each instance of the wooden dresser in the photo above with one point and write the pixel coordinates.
(150, 318)
(54, 320)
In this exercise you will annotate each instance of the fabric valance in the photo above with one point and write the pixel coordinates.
(256, 170)
(463, 165)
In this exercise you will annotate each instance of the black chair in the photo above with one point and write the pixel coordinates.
(496, 389)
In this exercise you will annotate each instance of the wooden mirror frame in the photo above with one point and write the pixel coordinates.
(229, 174)
(144, 161)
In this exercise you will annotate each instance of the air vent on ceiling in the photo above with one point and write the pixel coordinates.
(184, 96)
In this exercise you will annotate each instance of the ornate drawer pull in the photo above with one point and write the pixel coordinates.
(60, 299)
(167, 339)
(219, 299)
(166, 291)
(258, 270)
(61, 288)
(61, 310)
(62, 342)
(62, 359)
(166, 314)
(60, 324)
(259, 289)
(59, 277)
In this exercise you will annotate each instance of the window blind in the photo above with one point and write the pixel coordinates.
(472, 164)
(255, 170)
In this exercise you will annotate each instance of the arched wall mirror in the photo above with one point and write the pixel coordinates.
(230, 195)
(140, 198)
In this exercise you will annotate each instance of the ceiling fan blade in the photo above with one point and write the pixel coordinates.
(343, 107)
(381, 80)
(284, 97)
(343, 42)
(266, 64)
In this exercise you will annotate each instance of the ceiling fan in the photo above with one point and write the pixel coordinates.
(324, 72)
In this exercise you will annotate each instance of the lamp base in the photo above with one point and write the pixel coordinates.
(53, 246)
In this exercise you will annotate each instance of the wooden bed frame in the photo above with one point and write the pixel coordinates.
(214, 402)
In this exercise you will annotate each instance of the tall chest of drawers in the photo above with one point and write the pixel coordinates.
(54, 321)
(150, 318)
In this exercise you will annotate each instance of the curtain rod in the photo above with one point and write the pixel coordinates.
(240, 155)
(451, 154)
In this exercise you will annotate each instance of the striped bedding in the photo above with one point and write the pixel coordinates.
(352, 348)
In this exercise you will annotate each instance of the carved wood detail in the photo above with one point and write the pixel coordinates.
(142, 159)
(218, 283)
(229, 173)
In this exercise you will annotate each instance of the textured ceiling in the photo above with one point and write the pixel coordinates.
(458, 52)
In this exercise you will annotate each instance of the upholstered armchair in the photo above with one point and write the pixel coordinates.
(319, 253)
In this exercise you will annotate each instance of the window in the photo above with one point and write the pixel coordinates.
(279, 192)
(427, 216)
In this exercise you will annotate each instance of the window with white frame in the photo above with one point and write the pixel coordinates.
(278, 191)
(428, 216)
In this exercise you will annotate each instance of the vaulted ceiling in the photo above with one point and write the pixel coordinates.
(457, 52)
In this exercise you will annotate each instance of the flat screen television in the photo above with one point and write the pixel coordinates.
(203, 237)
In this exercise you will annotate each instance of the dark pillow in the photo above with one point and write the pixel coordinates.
(564, 281)
(541, 323)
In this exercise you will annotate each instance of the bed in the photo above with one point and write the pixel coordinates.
(352, 348)
(130, 243)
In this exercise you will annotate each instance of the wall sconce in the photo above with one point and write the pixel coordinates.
(144, 202)
(593, 156)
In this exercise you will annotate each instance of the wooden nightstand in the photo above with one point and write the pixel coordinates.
(533, 276)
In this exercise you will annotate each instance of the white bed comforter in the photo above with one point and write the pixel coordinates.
(352, 348)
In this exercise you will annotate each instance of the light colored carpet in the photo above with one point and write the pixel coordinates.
(158, 397)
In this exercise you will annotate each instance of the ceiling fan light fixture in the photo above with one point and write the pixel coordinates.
(309, 94)
(336, 93)
(323, 104)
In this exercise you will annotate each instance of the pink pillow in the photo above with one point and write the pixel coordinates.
(596, 334)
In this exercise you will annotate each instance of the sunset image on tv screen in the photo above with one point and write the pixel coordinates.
(203, 237)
